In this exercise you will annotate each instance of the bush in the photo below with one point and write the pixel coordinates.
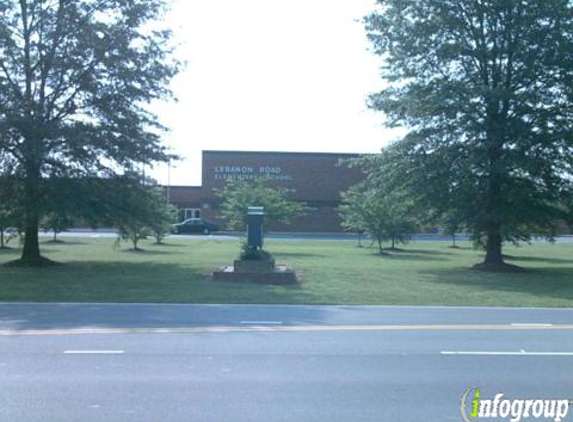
(251, 253)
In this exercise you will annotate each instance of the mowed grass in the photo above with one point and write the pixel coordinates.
(425, 273)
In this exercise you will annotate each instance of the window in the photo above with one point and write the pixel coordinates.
(187, 213)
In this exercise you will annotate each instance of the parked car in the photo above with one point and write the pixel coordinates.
(194, 225)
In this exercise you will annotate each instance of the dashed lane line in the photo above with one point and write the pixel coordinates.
(504, 353)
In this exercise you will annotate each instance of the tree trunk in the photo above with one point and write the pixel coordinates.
(379, 239)
(2, 239)
(393, 242)
(31, 252)
(55, 234)
(493, 253)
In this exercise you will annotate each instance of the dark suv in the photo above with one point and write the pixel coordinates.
(194, 225)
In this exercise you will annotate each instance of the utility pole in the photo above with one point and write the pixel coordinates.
(169, 181)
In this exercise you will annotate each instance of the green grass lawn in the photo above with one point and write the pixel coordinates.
(333, 273)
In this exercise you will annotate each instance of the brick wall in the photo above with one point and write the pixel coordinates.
(315, 178)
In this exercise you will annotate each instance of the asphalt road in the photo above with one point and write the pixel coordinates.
(92, 362)
(295, 236)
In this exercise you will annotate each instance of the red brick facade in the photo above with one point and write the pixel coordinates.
(315, 178)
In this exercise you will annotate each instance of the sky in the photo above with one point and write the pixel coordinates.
(269, 75)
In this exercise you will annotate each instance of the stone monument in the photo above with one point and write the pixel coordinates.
(255, 265)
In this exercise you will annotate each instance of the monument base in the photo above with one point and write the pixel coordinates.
(281, 275)
(254, 266)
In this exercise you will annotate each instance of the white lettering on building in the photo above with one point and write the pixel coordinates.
(236, 172)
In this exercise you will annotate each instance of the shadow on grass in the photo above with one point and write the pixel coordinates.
(10, 251)
(411, 255)
(167, 245)
(539, 259)
(95, 283)
(297, 255)
(556, 283)
(148, 252)
(63, 242)
(447, 252)
(461, 248)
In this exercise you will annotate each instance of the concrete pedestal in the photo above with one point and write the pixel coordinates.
(252, 266)
(280, 275)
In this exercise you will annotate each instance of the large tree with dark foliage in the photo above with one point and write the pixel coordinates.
(485, 88)
(75, 79)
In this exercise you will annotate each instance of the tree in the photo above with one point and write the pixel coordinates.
(133, 230)
(386, 215)
(451, 225)
(7, 221)
(485, 89)
(75, 78)
(9, 212)
(352, 212)
(239, 195)
(140, 212)
(56, 223)
(162, 215)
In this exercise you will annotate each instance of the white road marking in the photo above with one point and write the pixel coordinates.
(262, 322)
(94, 352)
(494, 353)
(531, 324)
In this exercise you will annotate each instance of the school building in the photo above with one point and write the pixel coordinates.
(317, 179)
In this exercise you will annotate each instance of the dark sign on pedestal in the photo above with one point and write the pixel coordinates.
(255, 227)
